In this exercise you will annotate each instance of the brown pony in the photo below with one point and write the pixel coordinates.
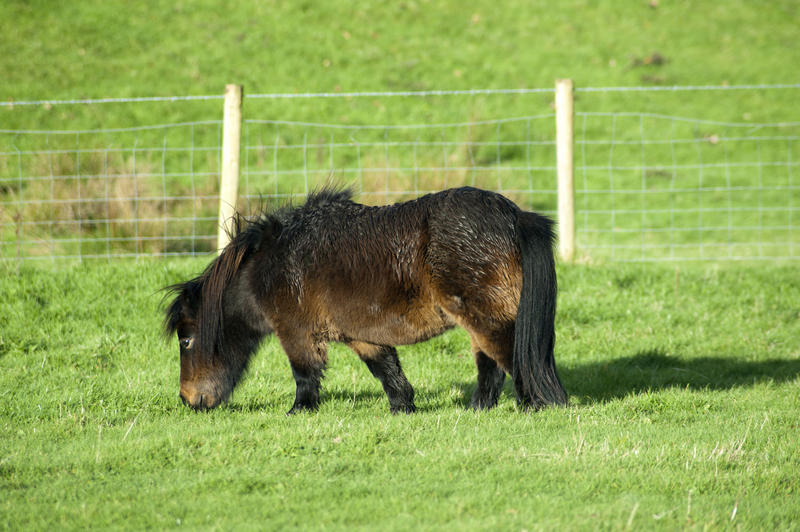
(373, 278)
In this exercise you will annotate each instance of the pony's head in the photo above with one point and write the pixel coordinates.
(203, 380)
(216, 320)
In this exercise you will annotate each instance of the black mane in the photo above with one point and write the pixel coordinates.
(329, 195)
(203, 294)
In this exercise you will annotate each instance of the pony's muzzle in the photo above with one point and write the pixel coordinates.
(195, 399)
(186, 402)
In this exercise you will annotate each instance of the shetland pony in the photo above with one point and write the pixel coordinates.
(333, 270)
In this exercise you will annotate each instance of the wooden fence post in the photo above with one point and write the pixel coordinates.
(564, 158)
(229, 176)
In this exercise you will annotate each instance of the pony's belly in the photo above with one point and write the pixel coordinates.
(385, 327)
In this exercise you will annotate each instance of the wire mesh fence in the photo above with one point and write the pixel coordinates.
(648, 187)
(653, 188)
(109, 193)
(387, 163)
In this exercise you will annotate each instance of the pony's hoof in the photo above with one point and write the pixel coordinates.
(479, 406)
(483, 401)
(403, 409)
(298, 408)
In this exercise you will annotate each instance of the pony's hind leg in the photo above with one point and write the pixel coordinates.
(490, 382)
(383, 363)
(493, 359)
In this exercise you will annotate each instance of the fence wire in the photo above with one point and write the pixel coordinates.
(654, 187)
(401, 94)
(648, 187)
(109, 193)
(387, 163)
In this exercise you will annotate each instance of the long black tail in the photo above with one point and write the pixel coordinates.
(534, 371)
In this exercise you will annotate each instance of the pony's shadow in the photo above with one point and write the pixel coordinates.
(360, 397)
(654, 370)
(341, 396)
(648, 371)
(602, 381)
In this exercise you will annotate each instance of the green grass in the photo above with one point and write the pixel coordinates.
(96, 49)
(109, 49)
(684, 388)
(683, 379)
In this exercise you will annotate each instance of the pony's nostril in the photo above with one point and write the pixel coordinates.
(183, 399)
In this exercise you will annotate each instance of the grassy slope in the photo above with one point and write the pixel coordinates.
(103, 49)
(684, 388)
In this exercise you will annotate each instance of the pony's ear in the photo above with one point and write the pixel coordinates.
(270, 231)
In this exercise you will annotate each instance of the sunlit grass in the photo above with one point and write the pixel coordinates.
(683, 385)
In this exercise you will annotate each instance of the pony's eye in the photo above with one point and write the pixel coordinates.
(186, 343)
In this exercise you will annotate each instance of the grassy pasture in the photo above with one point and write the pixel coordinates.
(684, 386)
(684, 379)
(98, 49)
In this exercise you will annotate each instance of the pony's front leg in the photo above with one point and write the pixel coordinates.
(308, 382)
(308, 363)
(384, 365)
